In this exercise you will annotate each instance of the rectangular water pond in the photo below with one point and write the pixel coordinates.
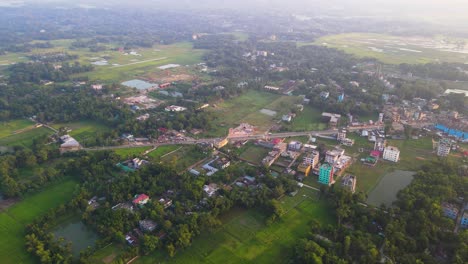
(386, 191)
(139, 84)
(76, 232)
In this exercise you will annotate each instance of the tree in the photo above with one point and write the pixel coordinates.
(149, 243)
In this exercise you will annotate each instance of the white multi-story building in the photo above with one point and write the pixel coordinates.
(443, 148)
(391, 154)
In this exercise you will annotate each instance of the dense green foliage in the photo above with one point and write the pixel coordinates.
(413, 231)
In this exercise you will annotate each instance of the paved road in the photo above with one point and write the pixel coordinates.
(251, 137)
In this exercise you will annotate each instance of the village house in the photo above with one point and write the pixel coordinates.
(210, 189)
(96, 87)
(147, 225)
(175, 108)
(140, 199)
(165, 202)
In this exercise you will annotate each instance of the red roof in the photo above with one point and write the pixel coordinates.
(375, 153)
(162, 129)
(276, 141)
(140, 198)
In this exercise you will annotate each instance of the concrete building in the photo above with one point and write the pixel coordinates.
(294, 146)
(443, 148)
(349, 182)
(326, 174)
(391, 154)
(341, 135)
(332, 156)
(312, 159)
(380, 144)
(304, 168)
(464, 220)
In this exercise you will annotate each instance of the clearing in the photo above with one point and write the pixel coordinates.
(246, 109)
(386, 191)
(398, 49)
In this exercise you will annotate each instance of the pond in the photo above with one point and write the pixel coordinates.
(75, 231)
(386, 191)
(139, 84)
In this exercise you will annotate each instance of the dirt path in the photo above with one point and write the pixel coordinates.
(138, 62)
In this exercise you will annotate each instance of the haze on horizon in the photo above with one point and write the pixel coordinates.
(435, 11)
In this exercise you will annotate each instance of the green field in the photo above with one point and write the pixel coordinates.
(308, 120)
(129, 67)
(246, 108)
(120, 67)
(183, 158)
(9, 128)
(244, 237)
(83, 130)
(254, 154)
(386, 191)
(130, 152)
(14, 220)
(161, 151)
(25, 139)
(395, 49)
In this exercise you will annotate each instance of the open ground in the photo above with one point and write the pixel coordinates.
(397, 49)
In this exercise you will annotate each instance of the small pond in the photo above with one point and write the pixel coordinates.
(75, 231)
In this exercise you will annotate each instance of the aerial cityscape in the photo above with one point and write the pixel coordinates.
(231, 131)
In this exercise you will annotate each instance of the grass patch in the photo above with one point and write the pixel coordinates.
(130, 152)
(14, 220)
(254, 154)
(84, 130)
(392, 49)
(246, 108)
(308, 120)
(244, 237)
(129, 67)
(184, 158)
(9, 128)
(25, 139)
(162, 150)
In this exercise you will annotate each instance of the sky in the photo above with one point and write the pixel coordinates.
(429, 10)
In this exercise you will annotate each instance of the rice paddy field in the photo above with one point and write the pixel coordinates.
(398, 49)
(14, 220)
